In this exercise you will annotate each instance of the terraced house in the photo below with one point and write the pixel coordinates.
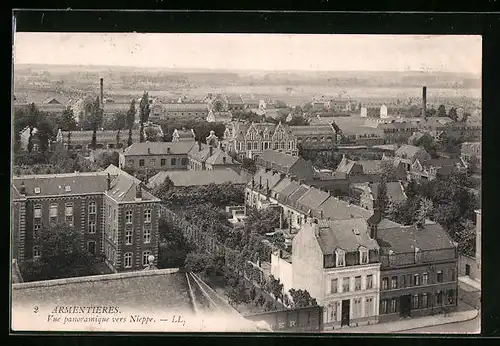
(337, 262)
(116, 215)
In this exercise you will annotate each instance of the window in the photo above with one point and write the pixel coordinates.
(241, 146)
(114, 235)
(340, 258)
(53, 213)
(334, 286)
(403, 281)
(363, 256)
(384, 306)
(114, 214)
(255, 146)
(163, 162)
(184, 161)
(425, 278)
(249, 146)
(369, 307)
(147, 235)
(173, 161)
(36, 252)
(36, 230)
(416, 280)
(369, 281)
(345, 285)
(128, 260)
(128, 237)
(414, 301)
(91, 247)
(92, 208)
(92, 226)
(152, 162)
(393, 305)
(451, 297)
(131, 163)
(147, 215)
(128, 216)
(145, 256)
(452, 275)
(37, 212)
(424, 302)
(357, 308)
(357, 283)
(385, 283)
(394, 282)
(439, 298)
(439, 276)
(141, 162)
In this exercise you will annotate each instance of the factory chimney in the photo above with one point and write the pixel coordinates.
(424, 101)
(102, 92)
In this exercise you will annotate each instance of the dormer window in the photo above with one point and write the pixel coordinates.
(67, 188)
(340, 258)
(418, 255)
(37, 190)
(363, 256)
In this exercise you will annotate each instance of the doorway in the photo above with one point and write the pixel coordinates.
(405, 306)
(346, 307)
(91, 247)
(467, 270)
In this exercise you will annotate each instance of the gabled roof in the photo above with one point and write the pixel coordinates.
(442, 162)
(313, 130)
(220, 157)
(196, 154)
(159, 148)
(370, 166)
(312, 199)
(404, 239)
(395, 190)
(340, 234)
(297, 194)
(287, 191)
(409, 150)
(123, 189)
(279, 161)
(335, 209)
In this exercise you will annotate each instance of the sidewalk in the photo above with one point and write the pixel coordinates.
(409, 324)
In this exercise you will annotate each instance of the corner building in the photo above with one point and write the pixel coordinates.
(104, 206)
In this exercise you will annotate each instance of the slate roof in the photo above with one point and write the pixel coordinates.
(159, 148)
(442, 162)
(345, 166)
(86, 136)
(336, 209)
(395, 190)
(312, 130)
(370, 166)
(279, 160)
(339, 234)
(312, 199)
(287, 191)
(188, 107)
(55, 184)
(123, 189)
(220, 157)
(185, 134)
(403, 239)
(199, 178)
(409, 150)
(297, 194)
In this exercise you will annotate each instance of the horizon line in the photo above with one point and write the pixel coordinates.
(243, 69)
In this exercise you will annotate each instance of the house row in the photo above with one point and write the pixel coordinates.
(114, 212)
(369, 270)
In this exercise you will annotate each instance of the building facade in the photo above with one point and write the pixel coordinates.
(338, 264)
(86, 202)
(157, 156)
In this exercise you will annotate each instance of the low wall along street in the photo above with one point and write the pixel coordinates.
(293, 320)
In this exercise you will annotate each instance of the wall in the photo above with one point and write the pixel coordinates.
(338, 187)
(179, 163)
(475, 271)
(282, 270)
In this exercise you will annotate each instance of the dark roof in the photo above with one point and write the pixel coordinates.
(348, 235)
(55, 184)
(409, 150)
(279, 160)
(312, 199)
(443, 162)
(199, 178)
(405, 238)
(123, 189)
(159, 148)
(312, 130)
(297, 194)
(336, 209)
(370, 166)
(287, 191)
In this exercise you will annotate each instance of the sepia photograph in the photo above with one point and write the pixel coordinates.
(253, 183)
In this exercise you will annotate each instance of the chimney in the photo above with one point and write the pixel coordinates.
(199, 145)
(138, 192)
(102, 92)
(109, 182)
(149, 150)
(424, 101)
(22, 188)
(168, 150)
(260, 182)
(211, 150)
(253, 182)
(321, 213)
(224, 159)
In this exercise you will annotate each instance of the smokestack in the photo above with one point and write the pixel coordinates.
(424, 101)
(199, 145)
(102, 92)
(211, 150)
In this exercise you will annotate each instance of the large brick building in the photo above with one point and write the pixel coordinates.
(116, 215)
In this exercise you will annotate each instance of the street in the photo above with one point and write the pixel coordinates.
(465, 327)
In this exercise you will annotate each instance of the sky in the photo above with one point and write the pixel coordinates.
(447, 53)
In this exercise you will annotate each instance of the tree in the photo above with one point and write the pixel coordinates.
(428, 143)
(120, 121)
(298, 121)
(382, 200)
(249, 165)
(269, 306)
(472, 165)
(424, 211)
(33, 120)
(302, 298)
(199, 263)
(118, 139)
(164, 189)
(130, 121)
(253, 293)
(261, 300)
(152, 134)
(66, 121)
(441, 112)
(388, 170)
(62, 255)
(465, 117)
(465, 236)
(143, 114)
(452, 114)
